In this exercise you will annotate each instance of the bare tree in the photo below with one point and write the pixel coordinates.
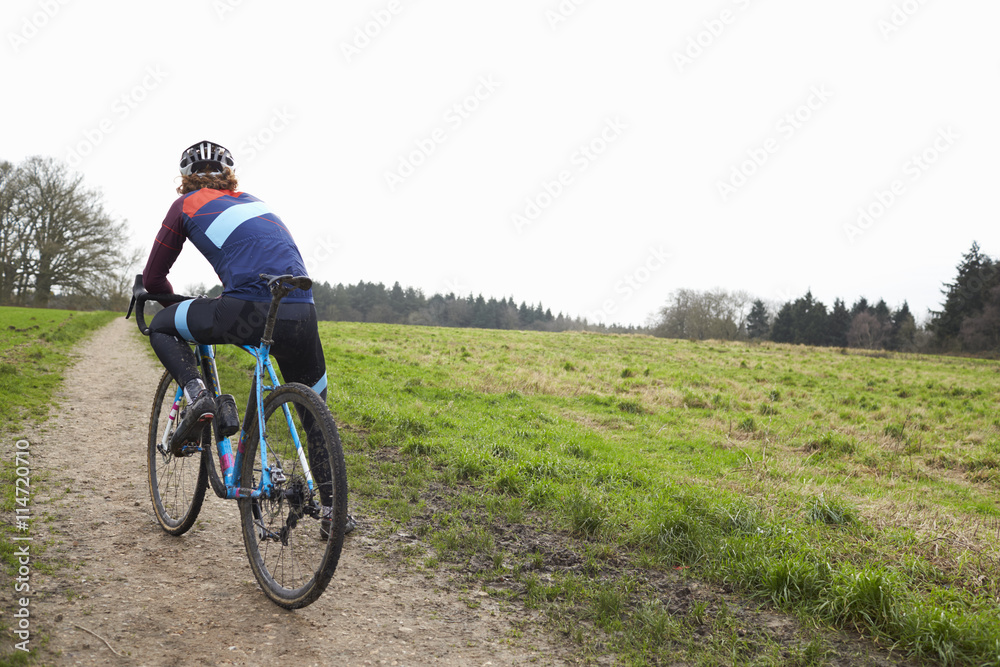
(8, 218)
(65, 238)
(698, 315)
(113, 290)
(867, 331)
(14, 244)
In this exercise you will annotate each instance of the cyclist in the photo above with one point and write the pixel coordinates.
(241, 237)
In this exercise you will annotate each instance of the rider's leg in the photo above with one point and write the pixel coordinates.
(189, 321)
(299, 352)
(171, 331)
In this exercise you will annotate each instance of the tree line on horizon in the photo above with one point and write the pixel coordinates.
(968, 322)
(376, 303)
(720, 314)
(59, 247)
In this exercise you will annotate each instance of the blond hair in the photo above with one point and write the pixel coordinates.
(224, 181)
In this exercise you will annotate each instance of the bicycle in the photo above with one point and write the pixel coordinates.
(292, 498)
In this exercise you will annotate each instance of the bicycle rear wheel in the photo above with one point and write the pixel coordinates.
(176, 484)
(293, 543)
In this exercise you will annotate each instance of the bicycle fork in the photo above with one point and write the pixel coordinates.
(164, 444)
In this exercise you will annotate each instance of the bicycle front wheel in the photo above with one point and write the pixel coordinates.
(176, 484)
(294, 532)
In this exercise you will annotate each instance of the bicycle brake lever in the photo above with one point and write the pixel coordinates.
(137, 289)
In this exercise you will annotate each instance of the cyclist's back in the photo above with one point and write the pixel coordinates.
(238, 234)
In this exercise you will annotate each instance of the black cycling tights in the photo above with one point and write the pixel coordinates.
(229, 321)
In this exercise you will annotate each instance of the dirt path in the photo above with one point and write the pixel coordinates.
(160, 600)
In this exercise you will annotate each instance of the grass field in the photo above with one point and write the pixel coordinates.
(584, 475)
(34, 350)
(856, 491)
(34, 345)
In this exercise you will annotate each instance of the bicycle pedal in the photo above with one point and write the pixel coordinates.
(188, 450)
(192, 442)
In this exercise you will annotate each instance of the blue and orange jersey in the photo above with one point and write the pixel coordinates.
(238, 234)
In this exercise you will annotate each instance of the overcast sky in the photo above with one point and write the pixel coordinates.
(589, 154)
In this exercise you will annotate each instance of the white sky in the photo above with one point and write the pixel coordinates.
(317, 117)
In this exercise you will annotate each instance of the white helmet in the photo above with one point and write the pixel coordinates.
(205, 156)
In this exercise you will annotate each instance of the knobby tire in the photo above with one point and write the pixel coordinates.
(176, 484)
(292, 562)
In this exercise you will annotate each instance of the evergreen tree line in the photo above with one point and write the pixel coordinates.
(969, 319)
(374, 302)
(725, 315)
(807, 321)
(968, 322)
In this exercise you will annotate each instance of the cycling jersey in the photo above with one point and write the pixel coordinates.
(240, 237)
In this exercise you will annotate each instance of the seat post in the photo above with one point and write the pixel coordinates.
(280, 286)
(272, 316)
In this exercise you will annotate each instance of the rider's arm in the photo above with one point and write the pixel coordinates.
(166, 248)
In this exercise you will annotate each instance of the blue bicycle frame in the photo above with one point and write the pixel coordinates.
(230, 485)
(229, 463)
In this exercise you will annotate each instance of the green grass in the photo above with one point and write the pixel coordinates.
(843, 489)
(846, 488)
(34, 345)
(34, 351)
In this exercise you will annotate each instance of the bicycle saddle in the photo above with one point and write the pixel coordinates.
(296, 282)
